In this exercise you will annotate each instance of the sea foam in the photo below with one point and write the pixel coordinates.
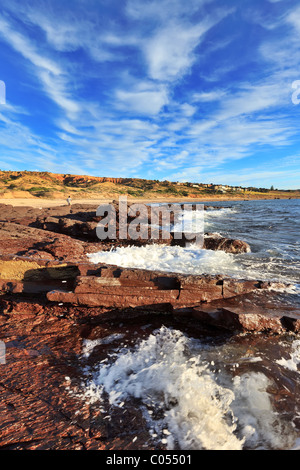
(193, 260)
(189, 260)
(200, 407)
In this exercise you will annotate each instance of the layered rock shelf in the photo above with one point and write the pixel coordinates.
(48, 256)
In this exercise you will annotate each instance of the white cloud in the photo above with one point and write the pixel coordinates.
(252, 177)
(214, 95)
(22, 45)
(163, 10)
(294, 18)
(56, 88)
(69, 33)
(18, 141)
(170, 47)
(67, 127)
(187, 109)
(169, 52)
(252, 99)
(144, 99)
(50, 74)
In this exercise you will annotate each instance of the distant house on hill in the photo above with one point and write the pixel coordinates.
(220, 187)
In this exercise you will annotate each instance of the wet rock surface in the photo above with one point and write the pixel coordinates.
(40, 408)
(80, 223)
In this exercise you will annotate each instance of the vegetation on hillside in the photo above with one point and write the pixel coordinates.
(51, 185)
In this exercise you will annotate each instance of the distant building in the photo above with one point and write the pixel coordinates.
(220, 187)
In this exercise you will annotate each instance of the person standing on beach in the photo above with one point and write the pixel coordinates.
(69, 201)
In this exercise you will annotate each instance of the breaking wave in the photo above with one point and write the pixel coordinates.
(187, 402)
(191, 260)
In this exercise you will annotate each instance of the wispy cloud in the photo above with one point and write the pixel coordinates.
(169, 53)
(51, 75)
(213, 95)
(145, 98)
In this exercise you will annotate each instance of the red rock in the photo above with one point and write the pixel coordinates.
(64, 249)
(226, 244)
(229, 320)
(256, 311)
(123, 287)
(81, 222)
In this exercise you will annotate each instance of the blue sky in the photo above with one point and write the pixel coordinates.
(197, 90)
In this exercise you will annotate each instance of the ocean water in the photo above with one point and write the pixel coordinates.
(271, 228)
(196, 393)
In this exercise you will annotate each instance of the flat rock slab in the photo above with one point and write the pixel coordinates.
(219, 301)
(127, 287)
(258, 311)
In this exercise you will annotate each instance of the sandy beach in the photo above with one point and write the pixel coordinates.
(41, 203)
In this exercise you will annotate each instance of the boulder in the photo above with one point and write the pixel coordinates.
(226, 244)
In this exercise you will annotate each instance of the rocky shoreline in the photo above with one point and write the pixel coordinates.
(52, 298)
